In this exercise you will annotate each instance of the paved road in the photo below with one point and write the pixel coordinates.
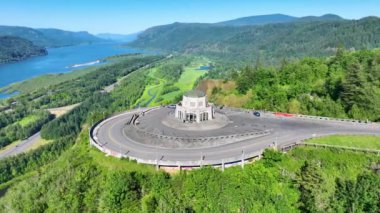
(111, 135)
(23, 146)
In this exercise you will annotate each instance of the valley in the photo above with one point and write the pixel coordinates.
(263, 113)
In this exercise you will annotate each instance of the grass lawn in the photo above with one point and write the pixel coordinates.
(358, 141)
(28, 119)
(151, 89)
(184, 83)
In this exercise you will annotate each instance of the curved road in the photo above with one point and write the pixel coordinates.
(110, 135)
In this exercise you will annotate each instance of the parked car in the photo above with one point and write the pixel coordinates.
(256, 113)
(171, 106)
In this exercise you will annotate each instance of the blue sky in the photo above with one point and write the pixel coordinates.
(129, 16)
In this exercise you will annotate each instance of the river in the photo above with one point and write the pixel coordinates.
(59, 60)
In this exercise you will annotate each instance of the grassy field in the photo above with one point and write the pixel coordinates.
(46, 81)
(334, 163)
(152, 89)
(28, 119)
(358, 141)
(185, 83)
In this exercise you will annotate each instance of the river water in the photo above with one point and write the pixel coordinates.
(59, 60)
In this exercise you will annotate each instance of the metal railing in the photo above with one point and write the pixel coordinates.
(238, 159)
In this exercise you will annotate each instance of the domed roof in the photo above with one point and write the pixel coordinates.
(194, 94)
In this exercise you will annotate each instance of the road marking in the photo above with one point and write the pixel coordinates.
(113, 127)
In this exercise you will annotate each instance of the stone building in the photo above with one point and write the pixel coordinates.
(194, 107)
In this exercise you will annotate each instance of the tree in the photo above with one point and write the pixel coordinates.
(294, 106)
(362, 195)
(310, 181)
(149, 203)
(123, 191)
(245, 80)
(271, 157)
(354, 87)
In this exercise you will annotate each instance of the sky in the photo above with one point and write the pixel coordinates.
(130, 16)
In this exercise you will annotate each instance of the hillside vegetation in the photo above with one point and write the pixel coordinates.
(276, 19)
(28, 114)
(67, 175)
(49, 37)
(270, 43)
(304, 180)
(63, 131)
(169, 80)
(346, 85)
(355, 141)
(13, 49)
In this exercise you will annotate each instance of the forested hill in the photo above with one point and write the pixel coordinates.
(13, 49)
(259, 20)
(275, 19)
(49, 37)
(271, 43)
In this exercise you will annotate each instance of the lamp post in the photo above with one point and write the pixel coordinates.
(201, 163)
(242, 159)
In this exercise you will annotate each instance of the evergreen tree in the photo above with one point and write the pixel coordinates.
(362, 195)
(310, 181)
(354, 87)
(245, 80)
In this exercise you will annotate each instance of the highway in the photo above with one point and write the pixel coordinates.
(23, 146)
(110, 135)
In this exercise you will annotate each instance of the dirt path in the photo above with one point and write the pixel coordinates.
(59, 111)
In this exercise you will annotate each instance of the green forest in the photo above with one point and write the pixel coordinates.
(304, 180)
(13, 49)
(49, 37)
(271, 43)
(346, 85)
(67, 175)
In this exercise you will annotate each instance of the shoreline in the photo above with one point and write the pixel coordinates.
(13, 89)
(59, 60)
(86, 64)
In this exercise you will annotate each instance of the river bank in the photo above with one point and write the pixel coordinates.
(60, 60)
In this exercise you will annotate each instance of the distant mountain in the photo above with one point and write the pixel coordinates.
(309, 36)
(327, 17)
(276, 19)
(118, 37)
(259, 20)
(184, 37)
(13, 49)
(49, 37)
(67, 38)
